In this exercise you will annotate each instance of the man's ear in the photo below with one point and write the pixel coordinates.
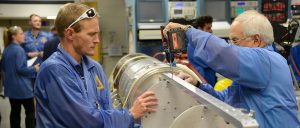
(257, 39)
(69, 32)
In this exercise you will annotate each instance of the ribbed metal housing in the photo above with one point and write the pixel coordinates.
(135, 73)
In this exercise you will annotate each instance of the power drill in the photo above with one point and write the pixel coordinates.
(174, 43)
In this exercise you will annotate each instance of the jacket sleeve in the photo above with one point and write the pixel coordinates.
(210, 90)
(67, 105)
(29, 47)
(21, 64)
(249, 67)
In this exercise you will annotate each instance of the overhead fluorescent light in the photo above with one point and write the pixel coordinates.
(51, 17)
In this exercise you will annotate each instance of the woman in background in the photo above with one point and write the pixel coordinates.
(17, 78)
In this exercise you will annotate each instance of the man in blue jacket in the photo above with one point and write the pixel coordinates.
(71, 89)
(35, 38)
(262, 79)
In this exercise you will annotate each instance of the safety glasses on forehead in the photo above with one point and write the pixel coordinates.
(90, 13)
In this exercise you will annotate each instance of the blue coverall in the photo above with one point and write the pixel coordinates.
(65, 99)
(208, 74)
(295, 53)
(34, 44)
(262, 79)
(17, 80)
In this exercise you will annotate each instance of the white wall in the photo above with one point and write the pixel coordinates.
(1, 41)
(16, 11)
(114, 30)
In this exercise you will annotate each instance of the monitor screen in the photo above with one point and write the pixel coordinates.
(177, 11)
(150, 11)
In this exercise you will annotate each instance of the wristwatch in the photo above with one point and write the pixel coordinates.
(186, 27)
(198, 84)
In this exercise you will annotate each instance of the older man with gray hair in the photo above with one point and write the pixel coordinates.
(262, 79)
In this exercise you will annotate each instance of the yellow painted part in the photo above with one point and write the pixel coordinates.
(222, 84)
(99, 83)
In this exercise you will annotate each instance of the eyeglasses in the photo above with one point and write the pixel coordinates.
(90, 13)
(237, 40)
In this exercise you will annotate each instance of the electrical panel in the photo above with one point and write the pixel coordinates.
(182, 9)
(295, 9)
(275, 10)
(238, 7)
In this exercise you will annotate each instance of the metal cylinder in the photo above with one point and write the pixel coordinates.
(180, 103)
(135, 73)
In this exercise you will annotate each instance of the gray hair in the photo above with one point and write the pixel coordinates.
(255, 23)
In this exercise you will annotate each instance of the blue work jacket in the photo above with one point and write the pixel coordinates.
(295, 53)
(262, 79)
(65, 99)
(208, 74)
(33, 44)
(17, 76)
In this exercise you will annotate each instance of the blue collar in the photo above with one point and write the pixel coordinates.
(30, 32)
(269, 47)
(84, 60)
(14, 43)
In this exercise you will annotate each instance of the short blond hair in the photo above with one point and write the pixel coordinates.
(32, 15)
(67, 14)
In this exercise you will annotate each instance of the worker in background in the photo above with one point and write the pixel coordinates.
(52, 33)
(294, 60)
(51, 44)
(203, 23)
(35, 38)
(71, 89)
(261, 77)
(17, 82)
